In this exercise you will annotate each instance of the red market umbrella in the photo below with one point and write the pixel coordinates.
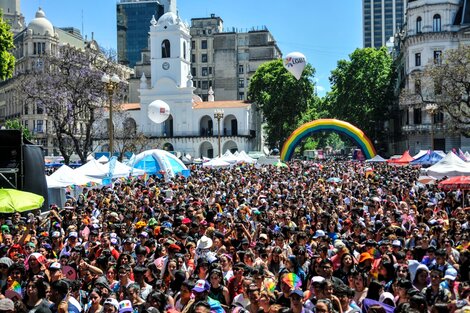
(454, 183)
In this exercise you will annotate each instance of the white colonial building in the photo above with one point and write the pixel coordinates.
(432, 27)
(191, 128)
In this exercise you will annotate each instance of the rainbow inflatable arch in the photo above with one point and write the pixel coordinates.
(334, 125)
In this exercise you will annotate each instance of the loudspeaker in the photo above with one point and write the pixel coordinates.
(10, 158)
(10, 148)
(22, 164)
(34, 179)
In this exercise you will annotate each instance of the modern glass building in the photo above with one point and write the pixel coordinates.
(133, 24)
(381, 20)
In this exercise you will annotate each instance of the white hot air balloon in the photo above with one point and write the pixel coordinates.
(295, 63)
(158, 111)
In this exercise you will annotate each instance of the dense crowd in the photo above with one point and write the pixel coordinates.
(330, 237)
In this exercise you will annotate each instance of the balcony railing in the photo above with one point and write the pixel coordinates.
(424, 128)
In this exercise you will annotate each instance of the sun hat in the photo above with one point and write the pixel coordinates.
(113, 302)
(451, 274)
(204, 243)
(319, 233)
(125, 306)
(365, 256)
(339, 244)
(73, 234)
(55, 266)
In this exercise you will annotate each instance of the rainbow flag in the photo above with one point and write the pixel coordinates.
(270, 286)
(375, 253)
(16, 287)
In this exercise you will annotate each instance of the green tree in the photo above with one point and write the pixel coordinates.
(7, 60)
(447, 84)
(16, 124)
(282, 99)
(361, 90)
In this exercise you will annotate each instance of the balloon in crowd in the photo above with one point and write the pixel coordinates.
(295, 63)
(158, 111)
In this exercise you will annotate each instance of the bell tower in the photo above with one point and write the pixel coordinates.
(170, 48)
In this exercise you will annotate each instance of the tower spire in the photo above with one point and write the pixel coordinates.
(172, 6)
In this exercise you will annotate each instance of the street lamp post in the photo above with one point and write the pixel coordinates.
(111, 84)
(432, 109)
(219, 114)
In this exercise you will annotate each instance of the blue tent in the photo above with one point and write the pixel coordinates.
(155, 161)
(429, 158)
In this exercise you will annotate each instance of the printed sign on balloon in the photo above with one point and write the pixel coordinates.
(295, 63)
(158, 111)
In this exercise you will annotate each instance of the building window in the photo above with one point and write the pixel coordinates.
(240, 69)
(166, 49)
(193, 58)
(241, 83)
(210, 70)
(419, 21)
(210, 83)
(417, 86)
(204, 58)
(40, 126)
(194, 84)
(199, 84)
(437, 57)
(204, 44)
(439, 118)
(39, 48)
(436, 23)
(193, 44)
(205, 85)
(193, 71)
(417, 59)
(241, 96)
(204, 71)
(184, 50)
(39, 109)
(417, 116)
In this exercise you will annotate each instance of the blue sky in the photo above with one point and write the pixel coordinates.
(325, 31)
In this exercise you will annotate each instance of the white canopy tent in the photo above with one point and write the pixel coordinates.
(467, 155)
(65, 176)
(92, 168)
(103, 159)
(229, 157)
(420, 154)
(376, 159)
(122, 170)
(451, 165)
(245, 158)
(217, 162)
